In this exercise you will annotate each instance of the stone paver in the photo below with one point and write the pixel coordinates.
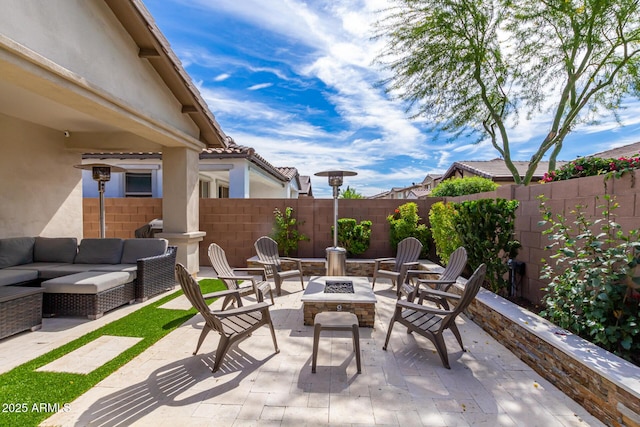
(406, 385)
(91, 355)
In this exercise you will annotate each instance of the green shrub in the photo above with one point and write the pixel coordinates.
(443, 230)
(403, 223)
(592, 291)
(485, 228)
(462, 186)
(285, 231)
(354, 237)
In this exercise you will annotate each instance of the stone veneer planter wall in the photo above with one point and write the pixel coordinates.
(603, 383)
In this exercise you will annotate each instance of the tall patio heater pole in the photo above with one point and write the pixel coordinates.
(101, 173)
(336, 256)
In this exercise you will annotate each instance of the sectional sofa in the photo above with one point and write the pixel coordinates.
(84, 280)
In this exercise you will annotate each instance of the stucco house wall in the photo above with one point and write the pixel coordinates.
(29, 205)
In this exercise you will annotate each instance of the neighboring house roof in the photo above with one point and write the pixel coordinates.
(305, 185)
(430, 178)
(155, 48)
(235, 151)
(231, 151)
(288, 171)
(420, 192)
(382, 195)
(496, 169)
(624, 151)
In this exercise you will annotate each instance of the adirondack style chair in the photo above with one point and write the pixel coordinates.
(431, 322)
(267, 250)
(233, 280)
(233, 324)
(457, 262)
(406, 257)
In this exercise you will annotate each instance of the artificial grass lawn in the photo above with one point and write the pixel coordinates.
(29, 397)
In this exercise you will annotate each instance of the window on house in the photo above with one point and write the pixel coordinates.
(223, 192)
(205, 189)
(138, 184)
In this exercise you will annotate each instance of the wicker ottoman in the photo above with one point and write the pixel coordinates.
(20, 309)
(90, 293)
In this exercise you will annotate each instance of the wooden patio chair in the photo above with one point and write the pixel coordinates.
(457, 262)
(233, 324)
(232, 279)
(406, 257)
(431, 322)
(267, 250)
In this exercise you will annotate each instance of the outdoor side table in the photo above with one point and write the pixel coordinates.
(336, 321)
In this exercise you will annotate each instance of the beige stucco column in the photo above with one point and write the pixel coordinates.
(180, 205)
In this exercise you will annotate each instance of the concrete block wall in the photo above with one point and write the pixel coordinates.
(235, 224)
(122, 215)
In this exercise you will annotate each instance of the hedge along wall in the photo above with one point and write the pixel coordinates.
(563, 197)
(235, 224)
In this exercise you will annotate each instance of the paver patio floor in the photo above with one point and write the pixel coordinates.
(406, 385)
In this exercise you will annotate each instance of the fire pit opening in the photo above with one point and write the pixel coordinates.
(338, 287)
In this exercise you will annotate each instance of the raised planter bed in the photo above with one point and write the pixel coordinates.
(604, 384)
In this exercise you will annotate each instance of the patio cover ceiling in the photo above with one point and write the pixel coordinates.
(37, 90)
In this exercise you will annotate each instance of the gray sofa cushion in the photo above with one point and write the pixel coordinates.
(13, 277)
(90, 282)
(134, 249)
(99, 251)
(16, 251)
(65, 270)
(55, 249)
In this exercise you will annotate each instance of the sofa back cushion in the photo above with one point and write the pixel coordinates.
(55, 249)
(16, 251)
(134, 249)
(99, 251)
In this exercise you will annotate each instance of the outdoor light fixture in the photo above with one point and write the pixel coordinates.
(101, 173)
(336, 257)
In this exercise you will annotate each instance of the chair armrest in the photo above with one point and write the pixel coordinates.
(379, 261)
(421, 308)
(270, 264)
(219, 294)
(436, 281)
(439, 294)
(408, 264)
(235, 277)
(261, 306)
(258, 271)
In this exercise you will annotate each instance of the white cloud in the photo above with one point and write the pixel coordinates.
(260, 86)
(221, 77)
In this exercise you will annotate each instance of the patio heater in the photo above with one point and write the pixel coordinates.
(101, 173)
(336, 256)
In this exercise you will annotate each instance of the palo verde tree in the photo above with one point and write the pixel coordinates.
(474, 67)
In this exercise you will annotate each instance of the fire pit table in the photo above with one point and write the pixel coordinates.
(339, 293)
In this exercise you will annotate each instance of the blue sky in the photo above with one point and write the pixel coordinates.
(295, 81)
